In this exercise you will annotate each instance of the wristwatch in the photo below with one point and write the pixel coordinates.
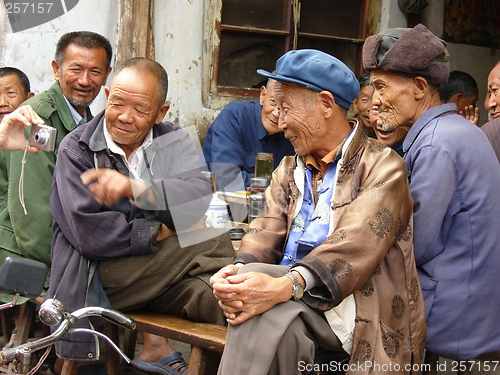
(298, 289)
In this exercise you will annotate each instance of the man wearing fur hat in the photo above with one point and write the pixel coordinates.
(454, 178)
(330, 263)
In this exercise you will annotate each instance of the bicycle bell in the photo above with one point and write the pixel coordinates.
(52, 312)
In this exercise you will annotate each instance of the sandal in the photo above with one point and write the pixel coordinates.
(163, 366)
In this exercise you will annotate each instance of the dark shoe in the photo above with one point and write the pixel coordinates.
(50, 370)
(93, 369)
(48, 365)
(163, 366)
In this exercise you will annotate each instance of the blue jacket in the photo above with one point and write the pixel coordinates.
(455, 183)
(234, 139)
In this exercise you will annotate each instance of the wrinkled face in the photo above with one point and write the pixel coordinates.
(388, 138)
(11, 94)
(300, 118)
(394, 97)
(492, 101)
(81, 75)
(133, 108)
(362, 104)
(270, 113)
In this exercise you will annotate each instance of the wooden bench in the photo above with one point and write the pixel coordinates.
(207, 340)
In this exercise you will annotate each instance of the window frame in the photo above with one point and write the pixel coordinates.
(216, 96)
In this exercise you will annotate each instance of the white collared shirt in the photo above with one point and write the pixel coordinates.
(136, 158)
(76, 116)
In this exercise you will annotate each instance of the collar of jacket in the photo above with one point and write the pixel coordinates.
(424, 121)
(93, 135)
(60, 105)
(352, 144)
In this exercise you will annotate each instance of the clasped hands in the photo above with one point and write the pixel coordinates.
(244, 295)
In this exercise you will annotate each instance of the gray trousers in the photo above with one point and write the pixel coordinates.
(280, 341)
(173, 280)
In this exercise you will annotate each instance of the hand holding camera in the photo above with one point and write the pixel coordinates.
(43, 137)
(12, 129)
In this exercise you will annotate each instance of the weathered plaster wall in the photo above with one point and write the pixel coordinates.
(178, 33)
(32, 50)
(390, 16)
(178, 29)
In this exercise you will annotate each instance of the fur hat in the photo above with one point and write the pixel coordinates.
(413, 52)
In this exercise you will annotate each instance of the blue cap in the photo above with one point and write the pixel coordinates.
(319, 71)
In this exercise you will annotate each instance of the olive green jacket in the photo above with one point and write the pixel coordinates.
(30, 235)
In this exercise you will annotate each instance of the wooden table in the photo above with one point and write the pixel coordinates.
(237, 203)
(231, 197)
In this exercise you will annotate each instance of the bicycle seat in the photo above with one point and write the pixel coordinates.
(23, 276)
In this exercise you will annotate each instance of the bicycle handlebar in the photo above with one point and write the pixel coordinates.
(22, 353)
(112, 316)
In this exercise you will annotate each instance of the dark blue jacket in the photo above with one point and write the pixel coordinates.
(234, 139)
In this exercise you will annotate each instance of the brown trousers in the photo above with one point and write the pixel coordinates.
(281, 341)
(173, 280)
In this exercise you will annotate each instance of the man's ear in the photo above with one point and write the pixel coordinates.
(263, 91)
(30, 95)
(328, 103)
(421, 87)
(355, 104)
(456, 98)
(163, 111)
(106, 92)
(56, 69)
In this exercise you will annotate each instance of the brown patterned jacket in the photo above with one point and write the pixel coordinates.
(368, 253)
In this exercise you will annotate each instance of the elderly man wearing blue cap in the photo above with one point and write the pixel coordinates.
(330, 263)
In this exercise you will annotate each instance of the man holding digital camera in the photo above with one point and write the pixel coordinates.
(81, 66)
(12, 129)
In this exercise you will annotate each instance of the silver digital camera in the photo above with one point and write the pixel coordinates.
(43, 137)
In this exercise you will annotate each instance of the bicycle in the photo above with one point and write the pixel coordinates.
(52, 312)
